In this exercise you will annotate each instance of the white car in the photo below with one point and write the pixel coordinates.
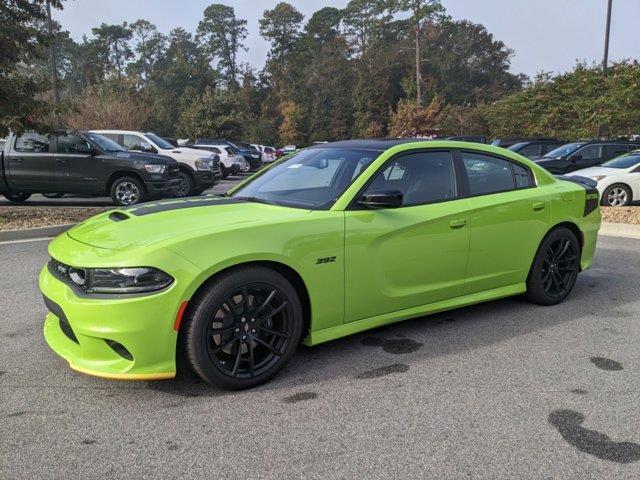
(230, 162)
(618, 179)
(199, 170)
(268, 153)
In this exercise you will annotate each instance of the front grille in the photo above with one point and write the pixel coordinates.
(66, 329)
(63, 273)
(215, 166)
(172, 171)
(62, 319)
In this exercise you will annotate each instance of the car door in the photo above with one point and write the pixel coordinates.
(76, 168)
(137, 143)
(29, 163)
(399, 258)
(585, 157)
(509, 216)
(612, 151)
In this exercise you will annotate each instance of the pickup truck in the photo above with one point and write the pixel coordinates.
(83, 163)
(198, 170)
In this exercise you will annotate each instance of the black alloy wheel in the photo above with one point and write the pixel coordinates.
(240, 330)
(555, 268)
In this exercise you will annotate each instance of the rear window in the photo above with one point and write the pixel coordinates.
(32, 142)
(624, 161)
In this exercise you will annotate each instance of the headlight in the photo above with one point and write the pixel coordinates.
(119, 280)
(597, 178)
(254, 156)
(154, 168)
(204, 164)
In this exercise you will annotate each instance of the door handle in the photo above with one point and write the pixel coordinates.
(15, 160)
(459, 223)
(62, 161)
(538, 206)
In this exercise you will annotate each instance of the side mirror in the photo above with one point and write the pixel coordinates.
(381, 199)
(575, 158)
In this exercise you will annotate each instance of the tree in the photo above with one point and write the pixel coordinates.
(214, 113)
(23, 41)
(292, 127)
(281, 27)
(114, 39)
(414, 120)
(149, 46)
(222, 34)
(423, 12)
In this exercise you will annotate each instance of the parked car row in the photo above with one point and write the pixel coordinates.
(129, 166)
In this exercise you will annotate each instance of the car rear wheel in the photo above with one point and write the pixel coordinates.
(186, 186)
(617, 195)
(555, 268)
(127, 191)
(243, 328)
(17, 197)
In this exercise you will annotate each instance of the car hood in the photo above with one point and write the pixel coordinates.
(153, 222)
(185, 152)
(593, 171)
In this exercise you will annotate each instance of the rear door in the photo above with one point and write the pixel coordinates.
(29, 164)
(509, 217)
(585, 157)
(399, 258)
(612, 151)
(77, 170)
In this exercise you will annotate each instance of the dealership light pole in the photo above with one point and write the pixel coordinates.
(54, 72)
(605, 60)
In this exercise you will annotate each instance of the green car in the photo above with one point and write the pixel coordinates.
(330, 241)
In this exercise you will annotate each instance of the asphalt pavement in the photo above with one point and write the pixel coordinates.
(499, 390)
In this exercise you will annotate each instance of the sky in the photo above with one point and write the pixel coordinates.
(546, 35)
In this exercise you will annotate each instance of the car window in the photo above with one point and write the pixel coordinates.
(216, 150)
(111, 136)
(312, 178)
(71, 143)
(487, 174)
(422, 177)
(530, 150)
(590, 152)
(521, 176)
(611, 151)
(132, 142)
(549, 146)
(32, 142)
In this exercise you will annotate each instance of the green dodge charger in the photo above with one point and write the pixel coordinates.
(330, 241)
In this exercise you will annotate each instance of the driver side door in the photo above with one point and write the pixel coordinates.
(399, 258)
(76, 168)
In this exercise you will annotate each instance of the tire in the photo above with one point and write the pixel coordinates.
(224, 170)
(53, 195)
(555, 268)
(243, 354)
(17, 197)
(616, 195)
(127, 191)
(187, 185)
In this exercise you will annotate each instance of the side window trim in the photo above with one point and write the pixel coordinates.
(460, 193)
(457, 154)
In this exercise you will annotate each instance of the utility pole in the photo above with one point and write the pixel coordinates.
(54, 72)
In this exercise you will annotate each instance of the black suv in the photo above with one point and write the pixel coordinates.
(83, 163)
(579, 155)
(536, 148)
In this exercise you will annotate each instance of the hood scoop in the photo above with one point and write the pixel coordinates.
(118, 216)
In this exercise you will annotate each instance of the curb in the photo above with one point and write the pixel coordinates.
(38, 232)
(625, 230)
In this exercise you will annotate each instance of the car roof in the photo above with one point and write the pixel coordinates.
(370, 144)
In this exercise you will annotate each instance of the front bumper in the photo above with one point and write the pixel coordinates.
(164, 188)
(204, 179)
(113, 336)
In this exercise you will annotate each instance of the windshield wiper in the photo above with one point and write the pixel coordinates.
(256, 200)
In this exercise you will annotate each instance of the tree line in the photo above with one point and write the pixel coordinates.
(372, 69)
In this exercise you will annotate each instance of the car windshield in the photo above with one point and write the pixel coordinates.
(104, 143)
(627, 160)
(564, 150)
(161, 142)
(313, 178)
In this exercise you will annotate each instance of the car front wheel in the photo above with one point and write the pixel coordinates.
(240, 330)
(555, 268)
(17, 197)
(617, 195)
(186, 186)
(127, 191)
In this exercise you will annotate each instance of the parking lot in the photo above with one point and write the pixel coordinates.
(500, 390)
